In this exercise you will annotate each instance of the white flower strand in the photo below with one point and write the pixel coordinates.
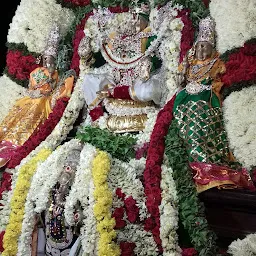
(127, 177)
(80, 187)
(243, 247)
(240, 123)
(88, 232)
(144, 241)
(43, 181)
(33, 21)
(235, 22)
(82, 191)
(169, 215)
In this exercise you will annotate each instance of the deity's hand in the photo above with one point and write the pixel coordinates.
(181, 81)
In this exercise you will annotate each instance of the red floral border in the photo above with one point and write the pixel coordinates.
(188, 32)
(240, 65)
(152, 172)
(20, 66)
(77, 2)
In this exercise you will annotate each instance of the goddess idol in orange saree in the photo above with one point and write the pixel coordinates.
(45, 87)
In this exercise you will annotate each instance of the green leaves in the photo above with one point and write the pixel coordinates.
(119, 146)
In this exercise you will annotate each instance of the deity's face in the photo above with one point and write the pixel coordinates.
(49, 62)
(203, 50)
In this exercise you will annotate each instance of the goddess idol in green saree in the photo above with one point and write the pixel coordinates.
(198, 115)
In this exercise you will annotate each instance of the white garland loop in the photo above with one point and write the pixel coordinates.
(33, 21)
(240, 122)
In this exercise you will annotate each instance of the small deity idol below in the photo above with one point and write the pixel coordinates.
(45, 87)
(124, 87)
(198, 115)
(60, 238)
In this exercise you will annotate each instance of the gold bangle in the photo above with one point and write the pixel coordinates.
(133, 94)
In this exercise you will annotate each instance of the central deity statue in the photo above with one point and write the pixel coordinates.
(125, 87)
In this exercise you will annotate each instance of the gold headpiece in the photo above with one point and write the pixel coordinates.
(53, 42)
(206, 31)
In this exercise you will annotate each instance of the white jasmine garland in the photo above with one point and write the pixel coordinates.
(80, 187)
(243, 247)
(10, 92)
(170, 53)
(43, 181)
(144, 136)
(33, 21)
(169, 215)
(144, 241)
(82, 190)
(88, 232)
(6, 200)
(127, 177)
(240, 123)
(235, 22)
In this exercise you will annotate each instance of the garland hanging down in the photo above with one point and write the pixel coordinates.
(13, 230)
(191, 210)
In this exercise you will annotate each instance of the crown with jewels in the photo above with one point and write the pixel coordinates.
(53, 42)
(206, 31)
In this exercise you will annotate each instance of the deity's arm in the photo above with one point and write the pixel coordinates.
(65, 88)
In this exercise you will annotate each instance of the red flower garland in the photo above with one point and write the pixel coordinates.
(5, 183)
(152, 172)
(19, 65)
(241, 65)
(188, 31)
(78, 2)
(1, 241)
(132, 211)
(127, 248)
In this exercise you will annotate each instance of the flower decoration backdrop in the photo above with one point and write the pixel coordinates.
(27, 39)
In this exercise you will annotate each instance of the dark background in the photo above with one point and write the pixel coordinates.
(9, 12)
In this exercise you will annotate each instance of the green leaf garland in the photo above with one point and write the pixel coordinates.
(191, 209)
(119, 146)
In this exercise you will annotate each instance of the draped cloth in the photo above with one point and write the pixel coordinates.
(31, 111)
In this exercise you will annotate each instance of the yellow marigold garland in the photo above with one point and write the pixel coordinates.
(13, 229)
(102, 208)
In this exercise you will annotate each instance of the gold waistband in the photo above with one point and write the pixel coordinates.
(120, 124)
(128, 103)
